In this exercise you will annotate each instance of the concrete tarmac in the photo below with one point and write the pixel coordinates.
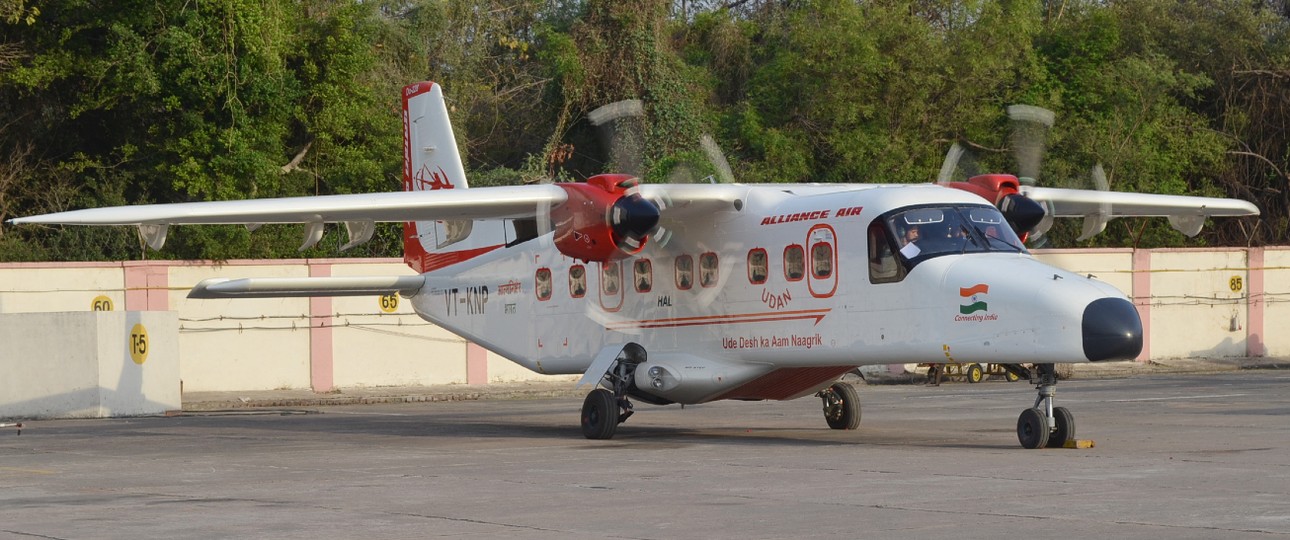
(1178, 456)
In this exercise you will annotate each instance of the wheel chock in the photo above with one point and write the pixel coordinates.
(1080, 443)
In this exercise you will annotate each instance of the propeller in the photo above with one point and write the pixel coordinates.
(1096, 223)
(617, 124)
(718, 158)
(1028, 142)
(1030, 125)
(632, 218)
(626, 146)
(626, 139)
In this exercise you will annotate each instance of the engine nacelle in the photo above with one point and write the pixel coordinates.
(991, 187)
(603, 219)
(1004, 191)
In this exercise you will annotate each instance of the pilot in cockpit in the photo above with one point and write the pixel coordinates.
(908, 246)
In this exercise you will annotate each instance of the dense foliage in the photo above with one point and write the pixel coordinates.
(105, 103)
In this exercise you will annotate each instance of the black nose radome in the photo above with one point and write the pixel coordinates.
(1112, 330)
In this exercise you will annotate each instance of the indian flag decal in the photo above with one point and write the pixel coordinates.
(969, 295)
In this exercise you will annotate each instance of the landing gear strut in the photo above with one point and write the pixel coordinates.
(1045, 425)
(605, 408)
(841, 406)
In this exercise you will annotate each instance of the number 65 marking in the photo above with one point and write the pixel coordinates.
(389, 303)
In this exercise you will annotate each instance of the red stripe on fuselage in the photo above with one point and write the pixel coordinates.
(768, 316)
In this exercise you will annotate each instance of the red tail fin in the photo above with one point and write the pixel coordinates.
(431, 162)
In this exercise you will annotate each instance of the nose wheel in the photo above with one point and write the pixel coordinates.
(841, 406)
(1045, 425)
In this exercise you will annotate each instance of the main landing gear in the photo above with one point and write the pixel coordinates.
(605, 408)
(602, 411)
(1046, 425)
(841, 406)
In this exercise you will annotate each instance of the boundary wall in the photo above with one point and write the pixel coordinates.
(1194, 302)
(88, 364)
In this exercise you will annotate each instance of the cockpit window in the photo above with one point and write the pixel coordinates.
(883, 266)
(925, 232)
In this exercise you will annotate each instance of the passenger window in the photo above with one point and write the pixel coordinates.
(577, 281)
(708, 269)
(758, 266)
(822, 260)
(883, 266)
(609, 277)
(643, 275)
(542, 284)
(684, 272)
(794, 263)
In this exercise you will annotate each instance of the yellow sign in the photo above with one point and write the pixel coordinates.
(138, 344)
(1236, 283)
(389, 303)
(101, 303)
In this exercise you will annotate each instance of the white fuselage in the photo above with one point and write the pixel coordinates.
(792, 287)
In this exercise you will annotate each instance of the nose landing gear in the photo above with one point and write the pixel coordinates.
(1046, 425)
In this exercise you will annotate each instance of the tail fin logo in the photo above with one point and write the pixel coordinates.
(970, 295)
(438, 180)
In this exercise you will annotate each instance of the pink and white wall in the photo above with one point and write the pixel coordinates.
(1220, 302)
(264, 344)
(1194, 303)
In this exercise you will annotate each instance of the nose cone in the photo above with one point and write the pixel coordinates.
(634, 217)
(1112, 330)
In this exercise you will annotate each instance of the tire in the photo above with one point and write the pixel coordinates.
(975, 374)
(847, 413)
(599, 414)
(1032, 429)
(1064, 424)
(1012, 377)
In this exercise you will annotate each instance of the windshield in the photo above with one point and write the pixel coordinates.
(929, 231)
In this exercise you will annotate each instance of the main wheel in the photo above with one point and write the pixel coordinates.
(1032, 429)
(842, 406)
(1012, 377)
(1063, 428)
(599, 414)
(975, 373)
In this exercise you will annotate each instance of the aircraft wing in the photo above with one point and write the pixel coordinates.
(1186, 213)
(477, 203)
(1082, 202)
(359, 211)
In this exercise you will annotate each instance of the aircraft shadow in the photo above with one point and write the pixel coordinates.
(562, 427)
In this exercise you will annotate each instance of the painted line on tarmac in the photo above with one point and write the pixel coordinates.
(366, 413)
(1174, 398)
